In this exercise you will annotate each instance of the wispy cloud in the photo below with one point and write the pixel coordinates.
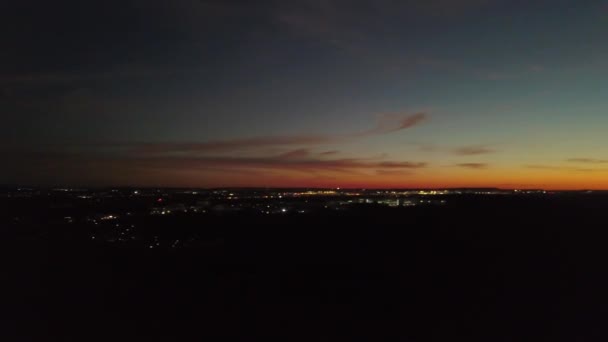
(473, 166)
(560, 168)
(302, 163)
(390, 173)
(473, 150)
(218, 146)
(347, 23)
(588, 161)
(299, 164)
(468, 150)
(281, 154)
(296, 154)
(392, 123)
(387, 124)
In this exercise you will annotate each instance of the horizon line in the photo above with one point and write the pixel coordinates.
(118, 187)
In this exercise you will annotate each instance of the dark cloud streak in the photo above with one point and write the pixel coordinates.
(561, 168)
(101, 163)
(473, 166)
(386, 125)
(588, 161)
(473, 150)
(296, 154)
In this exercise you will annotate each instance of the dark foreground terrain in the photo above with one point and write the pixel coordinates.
(477, 269)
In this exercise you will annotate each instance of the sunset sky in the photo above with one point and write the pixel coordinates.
(308, 93)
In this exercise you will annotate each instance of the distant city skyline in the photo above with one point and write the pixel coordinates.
(334, 93)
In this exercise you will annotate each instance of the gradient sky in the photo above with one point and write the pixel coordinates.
(336, 93)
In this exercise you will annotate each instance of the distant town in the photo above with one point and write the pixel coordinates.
(165, 202)
(125, 216)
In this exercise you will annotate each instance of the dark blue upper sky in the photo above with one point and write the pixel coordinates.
(521, 81)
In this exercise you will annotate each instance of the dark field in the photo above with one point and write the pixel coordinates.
(481, 268)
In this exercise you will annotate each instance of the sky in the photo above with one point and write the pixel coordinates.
(305, 93)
